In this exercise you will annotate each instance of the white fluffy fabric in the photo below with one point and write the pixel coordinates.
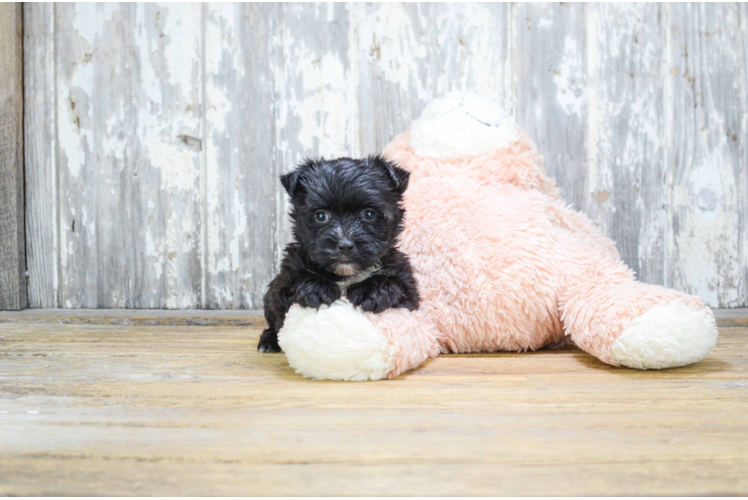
(460, 124)
(337, 342)
(666, 337)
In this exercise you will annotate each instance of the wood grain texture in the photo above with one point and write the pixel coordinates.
(185, 115)
(12, 226)
(242, 186)
(550, 66)
(627, 186)
(40, 149)
(92, 410)
(704, 164)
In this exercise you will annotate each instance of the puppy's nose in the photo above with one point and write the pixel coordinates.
(345, 245)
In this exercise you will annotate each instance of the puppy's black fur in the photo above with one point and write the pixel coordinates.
(347, 215)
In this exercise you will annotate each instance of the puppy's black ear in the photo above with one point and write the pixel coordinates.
(398, 176)
(292, 180)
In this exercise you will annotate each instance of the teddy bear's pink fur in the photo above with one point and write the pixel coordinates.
(503, 264)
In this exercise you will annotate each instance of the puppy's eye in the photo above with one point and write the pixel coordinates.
(320, 216)
(369, 214)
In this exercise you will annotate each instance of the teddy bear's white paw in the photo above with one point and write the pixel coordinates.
(666, 337)
(337, 343)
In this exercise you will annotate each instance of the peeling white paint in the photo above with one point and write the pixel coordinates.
(240, 229)
(176, 166)
(324, 96)
(545, 23)
(316, 97)
(153, 254)
(707, 228)
(219, 108)
(76, 139)
(569, 78)
(594, 181)
(115, 143)
(181, 53)
(388, 38)
(90, 20)
(147, 47)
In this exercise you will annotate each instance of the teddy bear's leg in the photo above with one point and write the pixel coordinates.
(341, 342)
(412, 336)
(624, 322)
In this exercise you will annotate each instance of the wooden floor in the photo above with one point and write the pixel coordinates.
(195, 410)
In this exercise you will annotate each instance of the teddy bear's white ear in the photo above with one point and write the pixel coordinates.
(338, 342)
(458, 124)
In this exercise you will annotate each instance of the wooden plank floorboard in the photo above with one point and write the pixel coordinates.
(187, 410)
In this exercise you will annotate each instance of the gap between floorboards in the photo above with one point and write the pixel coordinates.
(205, 317)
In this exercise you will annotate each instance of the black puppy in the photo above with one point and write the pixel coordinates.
(347, 214)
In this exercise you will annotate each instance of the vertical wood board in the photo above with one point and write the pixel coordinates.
(241, 184)
(704, 164)
(95, 143)
(164, 187)
(12, 225)
(40, 146)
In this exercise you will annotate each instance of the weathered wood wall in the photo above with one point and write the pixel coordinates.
(12, 239)
(156, 132)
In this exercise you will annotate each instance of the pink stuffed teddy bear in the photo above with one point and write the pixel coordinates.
(502, 264)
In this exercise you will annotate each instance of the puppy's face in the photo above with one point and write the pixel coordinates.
(346, 212)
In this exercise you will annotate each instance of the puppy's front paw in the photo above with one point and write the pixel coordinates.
(314, 294)
(374, 295)
(268, 342)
